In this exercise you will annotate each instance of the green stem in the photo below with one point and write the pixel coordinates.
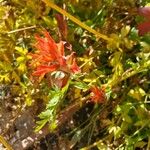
(5, 143)
(142, 68)
(21, 29)
(75, 20)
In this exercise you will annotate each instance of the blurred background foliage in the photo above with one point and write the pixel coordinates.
(121, 64)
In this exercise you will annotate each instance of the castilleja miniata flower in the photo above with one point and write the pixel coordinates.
(144, 27)
(97, 95)
(50, 57)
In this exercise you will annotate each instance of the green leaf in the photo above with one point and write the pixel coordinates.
(50, 113)
(102, 146)
(40, 125)
(81, 85)
(5, 66)
(137, 93)
(45, 114)
(140, 144)
(115, 58)
(76, 138)
(124, 31)
(5, 78)
(114, 43)
(54, 100)
(28, 100)
(20, 59)
(21, 51)
(22, 67)
(53, 126)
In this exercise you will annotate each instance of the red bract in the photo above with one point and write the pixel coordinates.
(145, 12)
(97, 95)
(44, 69)
(144, 27)
(50, 57)
(62, 24)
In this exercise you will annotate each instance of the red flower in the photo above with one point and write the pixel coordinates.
(44, 69)
(145, 12)
(50, 57)
(144, 27)
(98, 95)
